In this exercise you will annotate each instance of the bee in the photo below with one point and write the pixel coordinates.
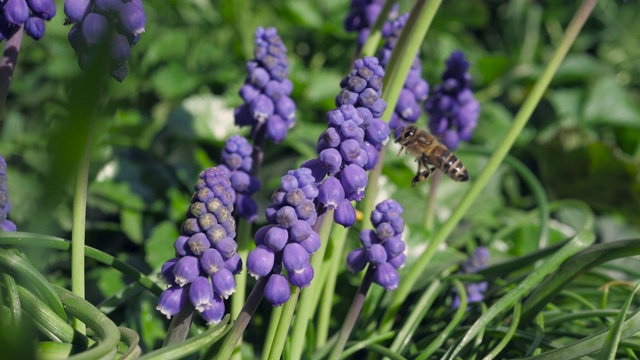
(429, 151)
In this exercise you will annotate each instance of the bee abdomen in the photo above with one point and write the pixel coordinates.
(446, 161)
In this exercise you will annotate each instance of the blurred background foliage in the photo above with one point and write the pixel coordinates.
(171, 115)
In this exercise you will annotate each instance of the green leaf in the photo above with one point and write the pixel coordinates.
(159, 245)
(131, 225)
(174, 81)
(613, 337)
(609, 104)
(492, 67)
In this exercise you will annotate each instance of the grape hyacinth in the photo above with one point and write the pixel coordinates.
(118, 23)
(363, 15)
(415, 89)
(350, 145)
(30, 13)
(205, 253)
(288, 240)
(5, 204)
(267, 107)
(453, 111)
(478, 260)
(237, 162)
(382, 247)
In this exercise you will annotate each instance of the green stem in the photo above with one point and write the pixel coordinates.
(429, 210)
(370, 46)
(79, 222)
(276, 314)
(243, 237)
(180, 325)
(338, 238)
(283, 325)
(309, 297)
(352, 315)
(483, 178)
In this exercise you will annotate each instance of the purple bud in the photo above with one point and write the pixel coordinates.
(376, 254)
(398, 261)
(16, 12)
(394, 246)
(223, 283)
(171, 301)
(95, 29)
(368, 237)
(207, 221)
(310, 191)
(76, 10)
(190, 227)
(260, 261)
(226, 247)
(286, 108)
(215, 312)
(295, 197)
(198, 243)
(261, 108)
(303, 277)
(335, 118)
(384, 231)
(331, 193)
(300, 230)
(234, 264)
(398, 225)
(351, 130)
(166, 272)
(346, 97)
(328, 139)
(289, 182)
(331, 160)
(312, 243)
(216, 233)
(277, 128)
(350, 150)
(186, 270)
(35, 27)
(316, 167)
(201, 293)
(294, 257)
(276, 238)
(132, 18)
(372, 155)
(276, 291)
(211, 261)
(386, 276)
(345, 214)
(353, 179)
(357, 260)
(181, 246)
(306, 211)
(286, 216)
(378, 132)
(247, 207)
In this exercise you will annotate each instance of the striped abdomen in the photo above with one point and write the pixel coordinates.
(445, 160)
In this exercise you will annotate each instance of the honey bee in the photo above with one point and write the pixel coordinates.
(429, 151)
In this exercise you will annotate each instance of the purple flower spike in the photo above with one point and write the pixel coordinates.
(453, 111)
(201, 293)
(363, 14)
(331, 193)
(5, 204)
(116, 24)
(267, 89)
(172, 300)
(345, 214)
(354, 180)
(276, 238)
(215, 312)
(303, 277)
(383, 247)
(276, 291)
(477, 261)
(206, 257)
(294, 257)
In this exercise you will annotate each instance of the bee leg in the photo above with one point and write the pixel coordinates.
(401, 148)
(422, 175)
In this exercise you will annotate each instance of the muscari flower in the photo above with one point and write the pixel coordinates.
(415, 89)
(288, 241)
(205, 253)
(478, 260)
(30, 13)
(363, 15)
(237, 161)
(116, 23)
(5, 204)
(267, 107)
(382, 246)
(453, 111)
(350, 145)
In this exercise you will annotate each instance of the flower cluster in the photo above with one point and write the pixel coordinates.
(30, 13)
(206, 258)
(5, 204)
(383, 247)
(478, 260)
(351, 143)
(288, 240)
(363, 14)
(118, 24)
(453, 111)
(415, 89)
(237, 161)
(268, 109)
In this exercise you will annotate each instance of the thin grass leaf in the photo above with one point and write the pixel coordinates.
(130, 339)
(613, 337)
(515, 319)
